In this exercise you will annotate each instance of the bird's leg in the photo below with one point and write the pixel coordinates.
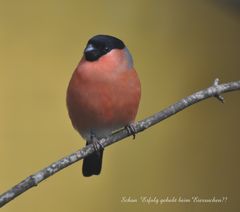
(131, 130)
(95, 141)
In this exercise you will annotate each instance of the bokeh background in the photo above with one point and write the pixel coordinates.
(178, 47)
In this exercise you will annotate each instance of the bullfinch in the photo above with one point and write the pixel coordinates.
(103, 94)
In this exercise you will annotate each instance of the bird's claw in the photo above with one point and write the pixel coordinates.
(96, 143)
(131, 130)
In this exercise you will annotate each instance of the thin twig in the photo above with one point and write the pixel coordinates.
(213, 91)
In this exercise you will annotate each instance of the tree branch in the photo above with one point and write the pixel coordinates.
(213, 91)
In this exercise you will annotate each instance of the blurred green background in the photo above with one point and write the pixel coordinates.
(178, 47)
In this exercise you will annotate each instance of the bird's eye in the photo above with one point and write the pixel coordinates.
(106, 49)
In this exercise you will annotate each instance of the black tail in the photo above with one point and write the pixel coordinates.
(92, 164)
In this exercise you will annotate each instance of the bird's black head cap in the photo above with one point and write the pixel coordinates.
(100, 45)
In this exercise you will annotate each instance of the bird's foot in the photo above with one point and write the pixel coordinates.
(131, 130)
(96, 143)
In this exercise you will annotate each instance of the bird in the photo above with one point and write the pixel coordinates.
(103, 94)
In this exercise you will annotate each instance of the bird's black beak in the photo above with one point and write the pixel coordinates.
(89, 48)
(91, 52)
